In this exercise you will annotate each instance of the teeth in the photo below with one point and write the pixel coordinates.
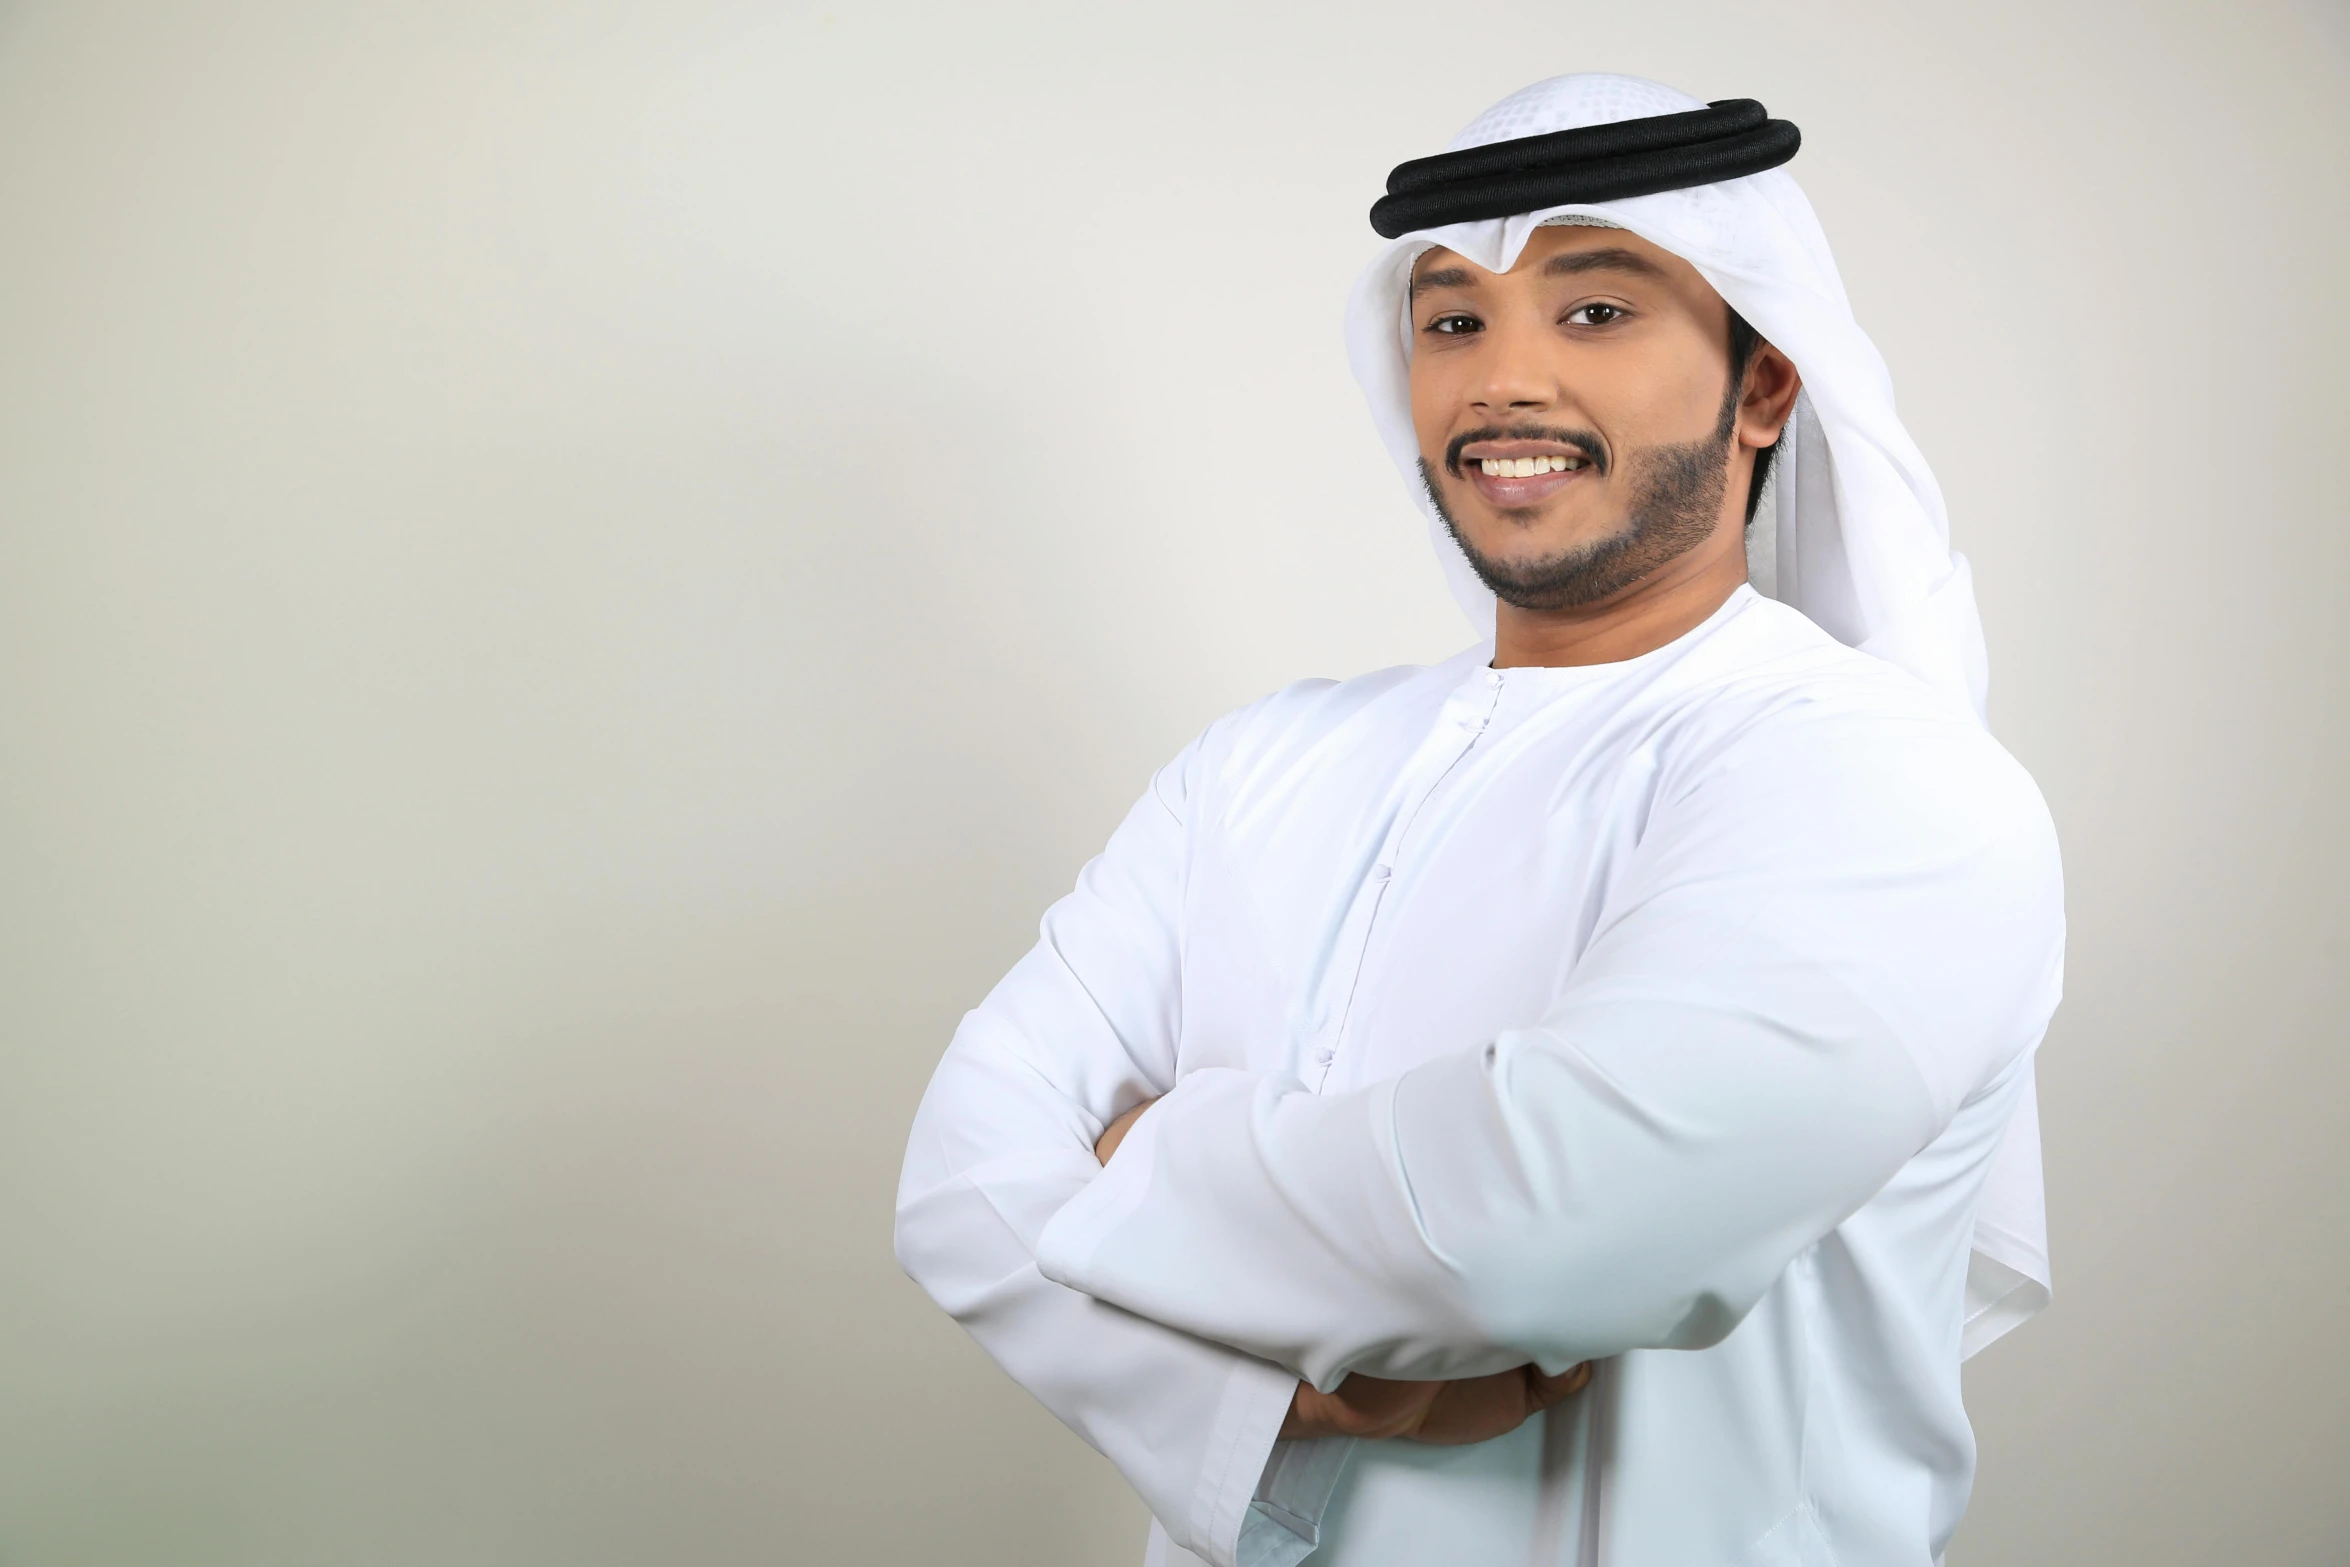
(1528, 467)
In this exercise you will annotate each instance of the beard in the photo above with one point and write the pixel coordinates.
(1675, 504)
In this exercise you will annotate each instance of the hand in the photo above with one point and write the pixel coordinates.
(1448, 1414)
(1115, 1133)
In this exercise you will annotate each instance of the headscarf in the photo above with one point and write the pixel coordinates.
(1852, 530)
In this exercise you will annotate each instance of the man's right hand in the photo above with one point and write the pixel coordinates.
(1450, 1414)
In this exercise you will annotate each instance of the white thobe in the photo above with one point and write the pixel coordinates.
(1665, 1014)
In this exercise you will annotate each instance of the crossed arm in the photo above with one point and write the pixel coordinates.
(1446, 1413)
(1187, 1270)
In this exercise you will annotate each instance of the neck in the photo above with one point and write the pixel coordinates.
(1668, 603)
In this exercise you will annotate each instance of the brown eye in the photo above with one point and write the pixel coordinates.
(1593, 315)
(1454, 323)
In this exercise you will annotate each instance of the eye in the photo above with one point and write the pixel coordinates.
(1454, 323)
(1594, 314)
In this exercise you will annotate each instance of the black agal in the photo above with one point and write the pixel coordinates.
(1589, 163)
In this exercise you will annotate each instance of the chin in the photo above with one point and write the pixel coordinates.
(1524, 538)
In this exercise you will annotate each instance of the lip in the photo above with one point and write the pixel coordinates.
(1512, 493)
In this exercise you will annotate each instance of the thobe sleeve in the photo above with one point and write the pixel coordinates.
(1082, 1028)
(1825, 944)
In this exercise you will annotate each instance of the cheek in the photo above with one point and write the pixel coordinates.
(1643, 416)
(1682, 398)
(1433, 407)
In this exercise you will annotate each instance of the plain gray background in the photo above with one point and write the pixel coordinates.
(573, 576)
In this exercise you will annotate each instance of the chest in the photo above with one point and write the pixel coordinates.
(1407, 888)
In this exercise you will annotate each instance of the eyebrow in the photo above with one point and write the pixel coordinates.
(1442, 277)
(1567, 263)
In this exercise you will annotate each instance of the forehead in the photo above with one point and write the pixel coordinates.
(1558, 239)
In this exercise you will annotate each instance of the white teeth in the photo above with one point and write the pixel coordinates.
(1528, 467)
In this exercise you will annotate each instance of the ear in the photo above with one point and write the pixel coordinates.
(1768, 401)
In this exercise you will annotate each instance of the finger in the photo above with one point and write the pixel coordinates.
(1475, 1409)
(1380, 1407)
(1308, 1416)
(1544, 1391)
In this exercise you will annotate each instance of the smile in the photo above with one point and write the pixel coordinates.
(1513, 475)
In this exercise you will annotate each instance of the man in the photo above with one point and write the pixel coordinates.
(1570, 1104)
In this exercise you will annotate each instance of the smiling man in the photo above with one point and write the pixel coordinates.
(1571, 1103)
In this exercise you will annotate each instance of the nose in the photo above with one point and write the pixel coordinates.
(1517, 377)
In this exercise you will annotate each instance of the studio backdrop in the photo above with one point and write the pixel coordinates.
(573, 576)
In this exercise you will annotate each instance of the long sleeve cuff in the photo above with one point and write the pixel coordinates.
(1284, 1521)
(1242, 1452)
(1258, 1497)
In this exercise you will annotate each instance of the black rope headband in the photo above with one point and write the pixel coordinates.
(1589, 163)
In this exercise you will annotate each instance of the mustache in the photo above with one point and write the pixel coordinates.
(1586, 442)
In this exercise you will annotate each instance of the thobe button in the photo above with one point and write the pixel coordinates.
(1322, 1057)
(1381, 872)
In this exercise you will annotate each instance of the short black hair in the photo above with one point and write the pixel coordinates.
(1744, 340)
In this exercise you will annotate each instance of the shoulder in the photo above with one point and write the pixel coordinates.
(1304, 721)
(1323, 719)
(1877, 827)
(1778, 701)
